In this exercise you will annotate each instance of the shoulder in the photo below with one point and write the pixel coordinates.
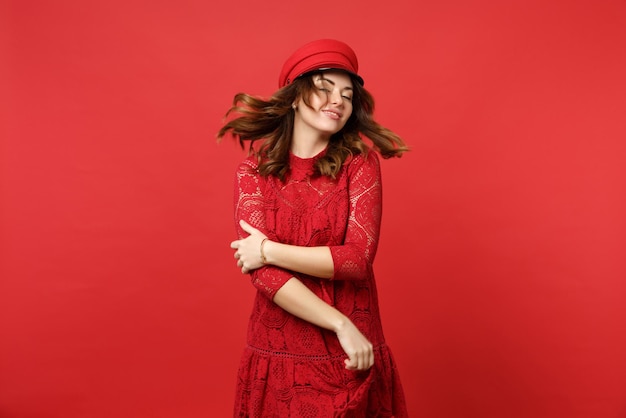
(248, 166)
(363, 161)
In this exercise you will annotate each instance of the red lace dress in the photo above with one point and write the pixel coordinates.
(291, 368)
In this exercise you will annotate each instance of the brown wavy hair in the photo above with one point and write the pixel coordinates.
(272, 122)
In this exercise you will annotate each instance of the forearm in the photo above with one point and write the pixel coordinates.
(295, 298)
(300, 301)
(314, 261)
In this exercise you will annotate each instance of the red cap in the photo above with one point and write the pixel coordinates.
(323, 54)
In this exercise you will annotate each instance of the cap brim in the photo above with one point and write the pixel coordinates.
(317, 70)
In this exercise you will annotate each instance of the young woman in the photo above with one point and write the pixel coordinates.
(308, 211)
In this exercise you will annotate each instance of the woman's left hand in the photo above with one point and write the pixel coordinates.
(248, 249)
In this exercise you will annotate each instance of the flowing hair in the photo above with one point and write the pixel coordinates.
(272, 120)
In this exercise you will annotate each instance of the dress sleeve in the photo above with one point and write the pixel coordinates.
(353, 260)
(249, 206)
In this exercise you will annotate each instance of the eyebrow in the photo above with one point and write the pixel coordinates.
(333, 83)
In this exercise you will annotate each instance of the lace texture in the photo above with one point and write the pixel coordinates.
(292, 368)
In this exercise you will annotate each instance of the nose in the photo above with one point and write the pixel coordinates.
(336, 97)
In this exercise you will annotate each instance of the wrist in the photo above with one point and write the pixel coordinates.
(340, 323)
(262, 250)
(268, 248)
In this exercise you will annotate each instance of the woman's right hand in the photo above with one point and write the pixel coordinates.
(248, 252)
(359, 350)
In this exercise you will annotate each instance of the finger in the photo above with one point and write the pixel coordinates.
(247, 227)
(237, 255)
(355, 362)
(366, 361)
(361, 361)
(352, 362)
(234, 244)
(366, 358)
(371, 358)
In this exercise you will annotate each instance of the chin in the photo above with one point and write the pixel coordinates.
(331, 130)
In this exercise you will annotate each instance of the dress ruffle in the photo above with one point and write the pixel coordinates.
(288, 385)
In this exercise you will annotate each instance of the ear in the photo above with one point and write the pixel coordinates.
(296, 102)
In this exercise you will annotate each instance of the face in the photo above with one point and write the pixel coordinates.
(331, 104)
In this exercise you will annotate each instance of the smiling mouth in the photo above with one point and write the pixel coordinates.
(332, 114)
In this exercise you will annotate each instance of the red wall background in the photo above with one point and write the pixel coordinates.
(501, 265)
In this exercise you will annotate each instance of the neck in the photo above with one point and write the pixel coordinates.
(308, 143)
(307, 150)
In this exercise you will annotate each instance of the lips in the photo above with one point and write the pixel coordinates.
(332, 114)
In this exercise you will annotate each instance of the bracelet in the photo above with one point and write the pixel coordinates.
(263, 259)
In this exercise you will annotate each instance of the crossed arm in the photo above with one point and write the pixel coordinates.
(314, 261)
(286, 291)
